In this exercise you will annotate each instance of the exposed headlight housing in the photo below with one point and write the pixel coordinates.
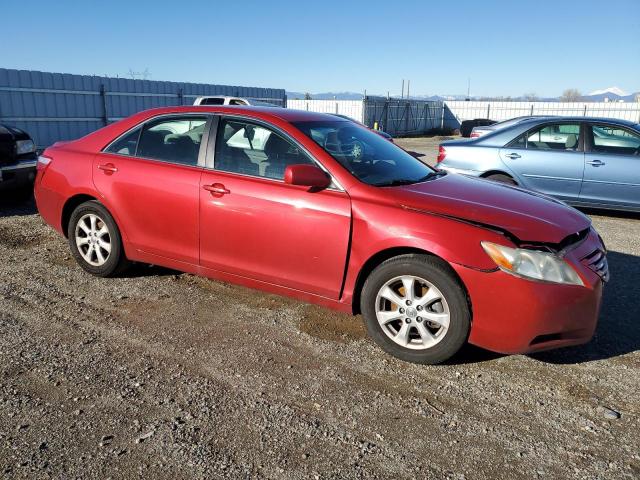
(25, 146)
(532, 264)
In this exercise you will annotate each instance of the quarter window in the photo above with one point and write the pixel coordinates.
(615, 140)
(174, 139)
(126, 145)
(251, 149)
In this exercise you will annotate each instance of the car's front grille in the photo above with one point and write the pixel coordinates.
(597, 261)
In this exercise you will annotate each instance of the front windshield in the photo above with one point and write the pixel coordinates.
(365, 154)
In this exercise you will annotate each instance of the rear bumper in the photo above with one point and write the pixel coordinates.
(18, 175)
(515, 315)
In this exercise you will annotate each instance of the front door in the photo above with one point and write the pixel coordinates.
(151, 177)
(612, 166)
(548, 159)
(254, 225)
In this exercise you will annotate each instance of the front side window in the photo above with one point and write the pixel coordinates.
(561, 136)
(615, 140)
(365, 154)
(174, 139)
(251, 149)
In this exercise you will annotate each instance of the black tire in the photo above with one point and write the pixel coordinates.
(116, 261)
(437, 272)
(502, 178)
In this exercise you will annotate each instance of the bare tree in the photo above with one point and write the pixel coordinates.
(142, 75)
(571, 95)
(530, 97)
(307, 96)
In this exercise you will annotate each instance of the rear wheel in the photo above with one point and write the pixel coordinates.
(95, 240)
(502, 178)
(416, 309)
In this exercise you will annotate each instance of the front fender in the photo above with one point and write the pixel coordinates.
(377, 228)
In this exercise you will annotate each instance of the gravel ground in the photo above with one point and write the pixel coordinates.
(166, 375)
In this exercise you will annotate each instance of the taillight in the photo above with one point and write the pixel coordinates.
(43, 162)
(474, 135)
(441, 154)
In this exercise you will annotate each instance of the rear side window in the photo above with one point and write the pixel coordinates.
(615, 140)
(127, 144)
(562, 136)
(174, 139)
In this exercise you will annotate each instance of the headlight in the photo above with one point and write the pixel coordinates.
(25, 146)
(532, 264)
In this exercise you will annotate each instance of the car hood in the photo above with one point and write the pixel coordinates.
(527, 215)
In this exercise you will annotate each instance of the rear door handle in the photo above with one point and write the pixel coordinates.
(596, 163)
(512, 156)
(108, 168)
(216, 189)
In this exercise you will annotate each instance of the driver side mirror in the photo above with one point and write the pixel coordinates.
(307, 176)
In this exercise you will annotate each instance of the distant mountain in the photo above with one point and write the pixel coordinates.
(618, 92)
(613, 94)
(326, 96)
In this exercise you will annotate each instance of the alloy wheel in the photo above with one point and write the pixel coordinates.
(93, 239)
(412, 312)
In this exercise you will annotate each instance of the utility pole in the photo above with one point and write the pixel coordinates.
(469, 88)
(408, 83)
(402, 94)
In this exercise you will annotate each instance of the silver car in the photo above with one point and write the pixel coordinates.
(589, 162)
(480, 131)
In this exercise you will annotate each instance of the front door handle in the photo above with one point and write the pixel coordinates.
(108, 168)
(596, 163)
(512, 156)
(216, 189)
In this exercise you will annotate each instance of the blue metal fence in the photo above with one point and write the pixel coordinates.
(60, 106)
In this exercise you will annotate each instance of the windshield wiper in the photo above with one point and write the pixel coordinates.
(405, 181)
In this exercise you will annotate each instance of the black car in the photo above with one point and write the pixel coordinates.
(18, 160)
(467, 125)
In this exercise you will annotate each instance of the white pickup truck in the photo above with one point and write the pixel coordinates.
(222, 100)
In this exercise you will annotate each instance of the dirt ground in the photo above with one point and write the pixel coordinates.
(165, 375)
(424, 148)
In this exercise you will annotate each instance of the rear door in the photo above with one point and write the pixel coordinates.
(612, 166)
(151, 179)
(549, 158)
(254, 225)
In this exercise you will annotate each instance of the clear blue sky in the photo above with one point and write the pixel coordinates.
(506, 47)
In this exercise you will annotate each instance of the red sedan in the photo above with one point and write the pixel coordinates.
(318, 208)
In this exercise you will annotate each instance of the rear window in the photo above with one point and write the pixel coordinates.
(212, 101)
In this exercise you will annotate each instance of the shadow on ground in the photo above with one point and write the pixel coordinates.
(138, 270)
(12, 206)
(611, 213)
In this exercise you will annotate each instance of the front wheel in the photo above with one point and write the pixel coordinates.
(415, 309)
(95, 240)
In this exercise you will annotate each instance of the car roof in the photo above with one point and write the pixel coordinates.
(577, 118)
(286, 114)
(103, 136)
